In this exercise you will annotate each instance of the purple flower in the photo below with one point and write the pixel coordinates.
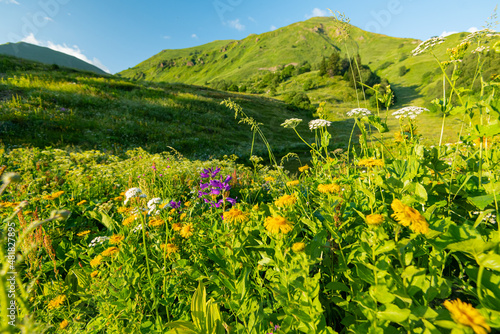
(175, 205)
(210, 172)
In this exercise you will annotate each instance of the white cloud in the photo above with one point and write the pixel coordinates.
(10, 2)
(194, 36)
(236, 24)
(252, 19)
(316, 12)
(167, 37)
(273, 27)
(72, 51)
(472, 29)
(447, 33)
(46, 18)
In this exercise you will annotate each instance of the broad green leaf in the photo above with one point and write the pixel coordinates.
(490, 260)
(182, 327)
(481, 202)
(381, 294)
(394, 314)
(198, 306)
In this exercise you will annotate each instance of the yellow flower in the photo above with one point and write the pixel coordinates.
(328, 188)
(303, 168)
(53, 195)
(187, 231)
(235, 216)
(94, 273)
(370, 162)
(63, 324)
(285, 200)
(169, 248)
(176, 226)
(83, 233)
(298, 247)
(398, 138)
(172, 211)
(81, 202)
(465, 314)
(56, 302)
(269, 179)
(156, 222)
(110, 251)
(187, 204)
(410, 217)
(127, 221)
(96, 261)
(374, 219)
(182, 216)
(277, 224)
(124, 209)
(255, 207)
(292, 183)
(118, 198)
(116, 239)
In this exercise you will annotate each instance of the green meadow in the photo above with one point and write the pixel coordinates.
(308, 202)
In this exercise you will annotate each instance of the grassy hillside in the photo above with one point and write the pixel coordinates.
(42, 107)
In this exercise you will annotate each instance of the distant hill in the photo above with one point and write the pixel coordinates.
(46, 56)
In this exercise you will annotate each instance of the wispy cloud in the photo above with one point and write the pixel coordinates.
(14, 2)
(472, 29)
(46, 18)
(72, 51)
(251, 19)
(194, 36)
(273, 27)
(236, 24)
(316, 12)
(167, 37)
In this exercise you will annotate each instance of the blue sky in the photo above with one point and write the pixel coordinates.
(116, 35)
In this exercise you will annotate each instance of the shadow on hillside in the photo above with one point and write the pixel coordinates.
(405, 94)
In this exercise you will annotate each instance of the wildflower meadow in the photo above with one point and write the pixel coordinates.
(389, 235)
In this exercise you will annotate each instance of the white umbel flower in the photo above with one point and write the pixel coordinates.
(132, 193)
(98, 241)
(359, 112)
(410, 112)
(152, 205)
(291, 123)
(318, 123)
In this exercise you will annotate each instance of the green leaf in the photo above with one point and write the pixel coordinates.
(198, 306)
(182, 327)
(394, 314)
(481, 202)
(490, 260)
(381, 294)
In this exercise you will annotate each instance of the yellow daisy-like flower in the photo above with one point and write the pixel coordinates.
(63, 324)
(235, 216)
(118, 199)
(156, 222)
(110, 251)
(116, 239)
(269, 179)
(465, 314)
(53, 195)
(298, 247)
(169, 248)
(172, 211)
(370, 162)
(124, 209)
(96, 261)
(187, 204)
(374, 219)
(176, 227)
(81, 202)
(56, 302)
(94, 273)
(292, 183)
(83, 233)
(303, 168)
(127, 221)
(182, 216)
(329, 188)
(285, 200)
(187, 231)
(277, 224)
(408, 216)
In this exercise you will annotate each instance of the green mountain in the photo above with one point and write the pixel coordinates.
(415, 79)
(46, 56)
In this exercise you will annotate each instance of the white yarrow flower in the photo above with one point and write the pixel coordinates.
(359, 112)
(430, 43)
(132, 193)
(410, 112)
(98, 240)
(318, 123)
(152, 204)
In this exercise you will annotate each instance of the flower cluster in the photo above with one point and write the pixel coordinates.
(481, 48)
(213, 188)
(410, 217)
(410, 112)
(133, 193)
(98, 240)
(370, 162)
(428, 44)
(318, 123)
(465, 314)
(291, 123)
(152, 205)
(359, 112)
